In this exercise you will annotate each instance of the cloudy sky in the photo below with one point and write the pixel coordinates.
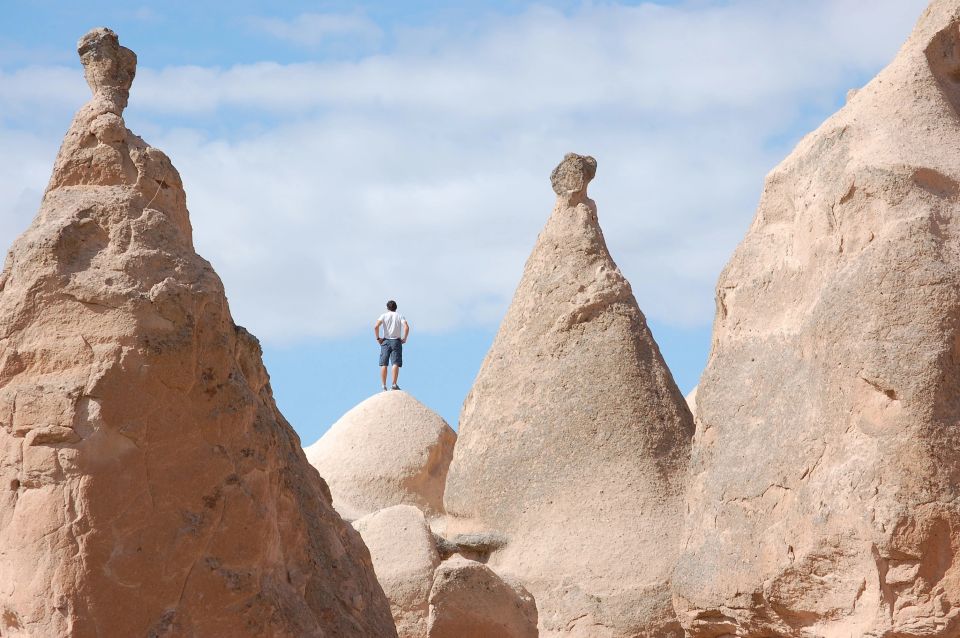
(337, 154)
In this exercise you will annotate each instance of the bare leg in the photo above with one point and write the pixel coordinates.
(383, 375)
(396, 373)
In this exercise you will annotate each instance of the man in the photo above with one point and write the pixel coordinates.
(391, 344)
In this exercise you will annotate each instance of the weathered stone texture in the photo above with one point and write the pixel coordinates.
(150, 487)
(574, 439)
(404, 556)
(389, 450)
(469, 600)
(826, 471)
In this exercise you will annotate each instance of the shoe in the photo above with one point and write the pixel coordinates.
(384, 388)
(395, 387)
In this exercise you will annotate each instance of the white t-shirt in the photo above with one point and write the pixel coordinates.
(392, 323)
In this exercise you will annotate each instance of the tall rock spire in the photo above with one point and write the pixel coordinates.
(150, 486)
(574, 440)
(824, 494)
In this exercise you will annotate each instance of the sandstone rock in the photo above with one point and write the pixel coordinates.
(824, 498)
(691, 400)
(469, 600)
(151, 487)
(475, 546)
(574, 439)
(389, 450)
(404, 558)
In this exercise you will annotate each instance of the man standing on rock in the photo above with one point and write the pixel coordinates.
(391, 344)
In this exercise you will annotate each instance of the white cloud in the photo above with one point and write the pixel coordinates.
(422, 174)
(25, 162)
(34, 90)
(315, 29)
(146, 14)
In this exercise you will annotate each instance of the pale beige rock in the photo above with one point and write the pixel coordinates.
(150, 486)
(389, 450)
(825, 498)
(691, 400)
(574, 439)
(469, 600)
(404, 557)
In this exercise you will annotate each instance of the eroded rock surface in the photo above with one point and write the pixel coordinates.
(469, 600)
(150, 486)
(826, 476)
(389, 450)
(404, 556)
(574, 439)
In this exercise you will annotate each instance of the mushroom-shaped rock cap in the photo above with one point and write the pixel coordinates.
(108, 67)
(573, 174)
(389, 450)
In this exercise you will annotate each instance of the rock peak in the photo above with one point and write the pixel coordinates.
(163, 491)
(108, 67)
(572, 175)
(388, 450)
(572, 385)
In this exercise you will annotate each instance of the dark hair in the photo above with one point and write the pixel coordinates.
(391, 305)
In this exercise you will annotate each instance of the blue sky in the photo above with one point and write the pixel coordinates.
(336, 154)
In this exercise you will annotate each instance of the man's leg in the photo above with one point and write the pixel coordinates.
(397, 357)
(384, 361)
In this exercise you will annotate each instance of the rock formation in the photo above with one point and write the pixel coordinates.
(389, 450)
(574, 439)
(469, 600)
(404, 556)
(825, 497)
(150, 486)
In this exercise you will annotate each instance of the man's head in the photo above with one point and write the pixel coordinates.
(392, 305)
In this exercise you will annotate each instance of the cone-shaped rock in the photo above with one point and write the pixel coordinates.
(150, 486)
(826, 474)
(574, 439)
(388, 450)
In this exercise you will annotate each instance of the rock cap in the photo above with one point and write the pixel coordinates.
(572, 175)
(108, 67)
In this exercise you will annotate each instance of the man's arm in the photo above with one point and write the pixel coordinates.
(406, 331)
(376, 331)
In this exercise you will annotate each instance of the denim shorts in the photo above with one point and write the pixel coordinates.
(391, 349)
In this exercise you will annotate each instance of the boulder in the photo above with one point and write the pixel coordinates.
(389, 450)
(404, 557)
(574, 439)
(825, 491)
(150, 485)
(469, 600)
